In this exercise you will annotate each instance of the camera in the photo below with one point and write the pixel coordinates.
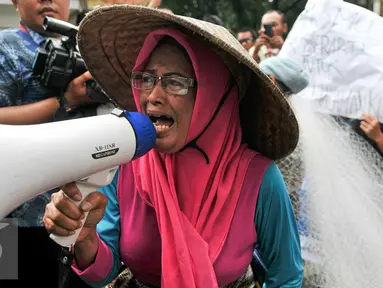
(58, 62)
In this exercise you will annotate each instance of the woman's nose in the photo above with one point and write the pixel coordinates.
(157, 95)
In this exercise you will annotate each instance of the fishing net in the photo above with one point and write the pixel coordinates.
(335, 180)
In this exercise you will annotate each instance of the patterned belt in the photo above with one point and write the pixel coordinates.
(126, 280)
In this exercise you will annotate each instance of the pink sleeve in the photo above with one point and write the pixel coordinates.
(100, 269)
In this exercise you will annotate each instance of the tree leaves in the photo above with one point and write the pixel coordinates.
(236, 13)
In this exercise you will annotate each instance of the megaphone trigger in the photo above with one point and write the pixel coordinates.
(86, 186)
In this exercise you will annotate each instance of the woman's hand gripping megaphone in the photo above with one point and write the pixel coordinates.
(65, 218)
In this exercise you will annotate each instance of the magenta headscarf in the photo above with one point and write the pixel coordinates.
(195, 200)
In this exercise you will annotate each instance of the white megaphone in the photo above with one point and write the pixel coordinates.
(38, 158)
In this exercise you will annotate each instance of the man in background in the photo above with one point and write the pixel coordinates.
(247, 37)
(24, 101)
(271, 35)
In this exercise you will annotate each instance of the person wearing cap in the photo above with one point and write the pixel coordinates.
(290, 79)
(192, 211)
(286, 74)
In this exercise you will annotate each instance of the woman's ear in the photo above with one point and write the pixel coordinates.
(285, 28)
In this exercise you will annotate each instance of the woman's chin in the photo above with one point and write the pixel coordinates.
(165, 145)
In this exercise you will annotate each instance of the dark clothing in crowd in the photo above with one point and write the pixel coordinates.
(38, 262)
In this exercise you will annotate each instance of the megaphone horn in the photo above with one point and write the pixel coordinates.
(88, 151)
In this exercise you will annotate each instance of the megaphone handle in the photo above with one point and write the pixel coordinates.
(69, 241)
(86, 186)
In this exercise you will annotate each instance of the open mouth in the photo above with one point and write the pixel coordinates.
(162, 123)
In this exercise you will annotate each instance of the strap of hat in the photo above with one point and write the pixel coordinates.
(193, 143)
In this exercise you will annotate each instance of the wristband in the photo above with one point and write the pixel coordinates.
(64, 104)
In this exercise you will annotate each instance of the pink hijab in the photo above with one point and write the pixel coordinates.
(194, 200)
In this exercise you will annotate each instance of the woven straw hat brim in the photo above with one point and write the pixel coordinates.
(110, 39)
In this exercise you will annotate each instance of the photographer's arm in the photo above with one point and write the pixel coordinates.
(42, 111)
(39, 112)
(12, 95)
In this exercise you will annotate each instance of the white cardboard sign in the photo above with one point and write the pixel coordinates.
(340, 45)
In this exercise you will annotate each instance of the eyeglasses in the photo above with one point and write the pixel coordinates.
(175, 85)
(247, 40)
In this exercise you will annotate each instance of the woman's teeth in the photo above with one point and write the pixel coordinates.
(162, 128)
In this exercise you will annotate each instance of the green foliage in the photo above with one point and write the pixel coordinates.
(236, 13)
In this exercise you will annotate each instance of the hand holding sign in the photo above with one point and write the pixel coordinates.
(371, 126)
